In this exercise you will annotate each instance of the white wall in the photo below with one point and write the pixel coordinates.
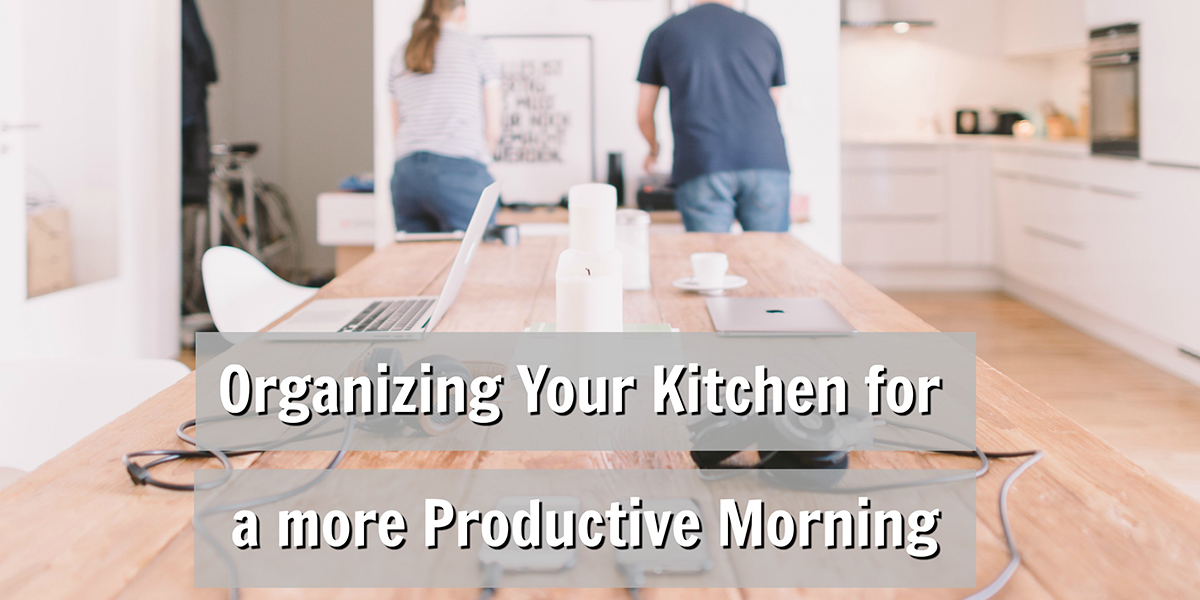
(72, 99)
(295, 76)
(136, 313)
(895, 85)
(809, 34)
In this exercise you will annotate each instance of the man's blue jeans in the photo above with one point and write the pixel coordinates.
(431, 192)
(760, 199)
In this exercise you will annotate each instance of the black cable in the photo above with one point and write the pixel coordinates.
(140, 473)
(635, 578)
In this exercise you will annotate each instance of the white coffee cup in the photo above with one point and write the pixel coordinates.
(709, 268)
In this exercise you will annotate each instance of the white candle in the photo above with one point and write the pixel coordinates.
(592, 214)
(588, 292)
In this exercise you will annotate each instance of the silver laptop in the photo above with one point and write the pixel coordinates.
(780, 316)
(414, 314)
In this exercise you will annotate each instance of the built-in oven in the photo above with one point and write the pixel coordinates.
(1114, 72)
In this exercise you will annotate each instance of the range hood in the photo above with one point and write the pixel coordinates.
(875, 14)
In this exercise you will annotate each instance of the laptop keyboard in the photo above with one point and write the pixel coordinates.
(395, 315)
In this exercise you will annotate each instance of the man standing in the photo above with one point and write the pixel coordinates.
(724, 70)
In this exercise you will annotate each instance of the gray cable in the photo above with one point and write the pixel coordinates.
(198, 526)
(1001, 580)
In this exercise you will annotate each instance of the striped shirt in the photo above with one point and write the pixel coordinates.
(442, 112)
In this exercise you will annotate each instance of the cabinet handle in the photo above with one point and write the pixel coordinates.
(7, 127)
(1054, 182)
(1168, 165)
(1111, 192)
(1053, 237)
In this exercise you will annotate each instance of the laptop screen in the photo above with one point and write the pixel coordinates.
(474, 234)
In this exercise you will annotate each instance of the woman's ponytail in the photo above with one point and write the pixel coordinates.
(427, 30)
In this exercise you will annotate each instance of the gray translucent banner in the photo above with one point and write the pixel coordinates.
(766, 529)
(590, 392)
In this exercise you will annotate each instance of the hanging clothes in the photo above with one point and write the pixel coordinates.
(199, 70)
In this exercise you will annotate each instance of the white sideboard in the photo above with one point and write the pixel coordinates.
(1109, 245)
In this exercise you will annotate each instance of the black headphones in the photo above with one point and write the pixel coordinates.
(421, 425)
(716, 438)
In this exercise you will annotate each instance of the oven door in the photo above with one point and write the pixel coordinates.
(1115, 126)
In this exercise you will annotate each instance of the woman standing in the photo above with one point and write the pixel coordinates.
(446, 103)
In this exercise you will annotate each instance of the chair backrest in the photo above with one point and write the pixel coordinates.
(244, 296)
(50, 405)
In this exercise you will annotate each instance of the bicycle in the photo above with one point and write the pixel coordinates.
(261, 224)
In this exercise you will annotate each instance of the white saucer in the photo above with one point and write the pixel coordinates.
(732, 282)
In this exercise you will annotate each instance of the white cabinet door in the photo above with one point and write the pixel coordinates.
(969, 232)
(1120, 259)
(1042, 26)
(1099, 13)
(1170, 87)
(1013, 253)
(1173, 273)
(1038, 229)
(883, 194)
(915, 243)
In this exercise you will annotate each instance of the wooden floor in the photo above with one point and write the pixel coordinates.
(1151, 416)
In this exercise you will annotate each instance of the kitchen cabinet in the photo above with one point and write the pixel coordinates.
(894, 203)
(1041, 226)
(901, 243)
(1031, 27)
(1099, 13)
(1013, 256)
(914, 205)
(969, 233)
(1112, 241)
(1170, 87)
(1173, 232)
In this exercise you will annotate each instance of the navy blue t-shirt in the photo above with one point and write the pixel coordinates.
(719, 66)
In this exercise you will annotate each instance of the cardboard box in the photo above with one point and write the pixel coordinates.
(48, 237)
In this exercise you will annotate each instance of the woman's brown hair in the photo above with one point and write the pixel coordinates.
(418, 56)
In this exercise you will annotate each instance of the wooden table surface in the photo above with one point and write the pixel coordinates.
(558, 215)
(1090, 523)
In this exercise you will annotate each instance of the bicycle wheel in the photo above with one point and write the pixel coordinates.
(194, 243)
(278, 238)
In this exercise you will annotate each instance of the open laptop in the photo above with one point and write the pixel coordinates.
(777, 316)
(391, 316)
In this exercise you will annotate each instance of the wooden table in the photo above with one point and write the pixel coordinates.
(558, 215)
(1090, 523)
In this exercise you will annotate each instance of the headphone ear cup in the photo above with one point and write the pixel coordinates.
(809, 459)
(716, 438)
(382, 354)
(711, 459)
(443, 422)
(812, 471)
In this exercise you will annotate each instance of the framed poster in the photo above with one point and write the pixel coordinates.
(547, 139)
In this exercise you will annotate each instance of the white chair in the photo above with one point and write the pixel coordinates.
(244, 296)
(49, 405)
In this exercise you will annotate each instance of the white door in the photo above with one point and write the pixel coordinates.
(12, 161)
(89, 126)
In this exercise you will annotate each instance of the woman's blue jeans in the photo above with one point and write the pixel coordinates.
(432, 193)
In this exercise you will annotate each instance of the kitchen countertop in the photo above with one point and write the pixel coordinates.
(1073, 146)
